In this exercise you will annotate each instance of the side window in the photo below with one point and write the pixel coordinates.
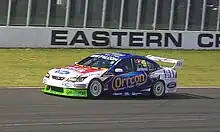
(125, 65)
(140, 64)
(151, 67)
(143, 65)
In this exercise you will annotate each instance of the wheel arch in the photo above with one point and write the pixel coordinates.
(162, 82)
(96, 78)
(152, 88)
(89, 95)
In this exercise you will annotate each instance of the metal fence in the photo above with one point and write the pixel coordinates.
(191, 15)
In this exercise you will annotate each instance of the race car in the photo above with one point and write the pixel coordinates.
(114, 74)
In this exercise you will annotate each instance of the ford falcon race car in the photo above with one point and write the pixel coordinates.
(113, 74)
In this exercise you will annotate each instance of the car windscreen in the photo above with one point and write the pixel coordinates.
(97, 62)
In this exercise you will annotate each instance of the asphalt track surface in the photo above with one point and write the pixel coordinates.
(190, 110)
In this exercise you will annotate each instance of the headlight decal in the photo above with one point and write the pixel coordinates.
(80, 79)
(72, 79)
(47, 75)
(76, 79)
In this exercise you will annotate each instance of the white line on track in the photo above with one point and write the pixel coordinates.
(94, 122)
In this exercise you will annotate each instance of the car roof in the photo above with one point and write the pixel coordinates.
(124, 55)
(119, 55)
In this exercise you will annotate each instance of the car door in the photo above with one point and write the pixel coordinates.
(142, 66)
(126, 77)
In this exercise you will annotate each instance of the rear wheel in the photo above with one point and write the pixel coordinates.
(158, 89)
(95, 88)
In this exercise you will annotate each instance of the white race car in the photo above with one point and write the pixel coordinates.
(114, 73)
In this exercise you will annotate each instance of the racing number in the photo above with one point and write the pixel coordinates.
(169, 73)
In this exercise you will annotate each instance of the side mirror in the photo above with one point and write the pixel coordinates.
(118, 70)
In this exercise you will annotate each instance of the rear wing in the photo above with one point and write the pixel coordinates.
(178, 64)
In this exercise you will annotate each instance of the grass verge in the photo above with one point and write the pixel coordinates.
(26, 67)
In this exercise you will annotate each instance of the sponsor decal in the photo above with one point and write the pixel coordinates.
(80, 85)
(81, 93)
(75, 92)
(135, 94)
(84, 69)
(106, 57)
(116, 54)
(171, 85)
(67, 84)
(126, 94)
(62, 72)
(117, 94)
(179, 63)
(129, 80)
(69, 91)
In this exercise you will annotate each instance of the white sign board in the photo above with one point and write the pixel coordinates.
(39, 37)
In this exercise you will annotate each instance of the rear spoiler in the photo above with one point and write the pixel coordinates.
(178, 64)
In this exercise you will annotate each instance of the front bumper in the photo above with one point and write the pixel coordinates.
(65, 91)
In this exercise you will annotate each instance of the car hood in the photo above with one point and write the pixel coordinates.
(76, 70)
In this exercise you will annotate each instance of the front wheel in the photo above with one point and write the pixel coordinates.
(158, 89)
(95, 88)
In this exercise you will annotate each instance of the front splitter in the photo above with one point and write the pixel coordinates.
(65, 91)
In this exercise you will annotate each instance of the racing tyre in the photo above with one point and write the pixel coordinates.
(95, 89)
(158, 90)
